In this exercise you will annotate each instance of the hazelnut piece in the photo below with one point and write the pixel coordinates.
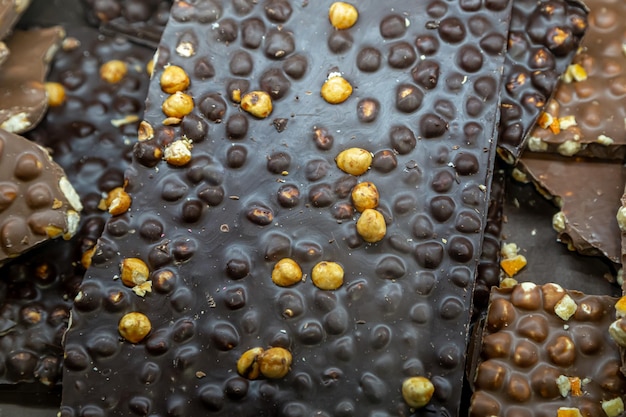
(117, 201)
(286, 272)
(354, 161)
(248, 364)
(113, 71)
(56, 93)
(371, 226)
(178, 105)
(134, 327)
(342, 15)
(134, 272)
(257, 103)
(275, 362)
(417, 391)
(336, 89)
(327, 275)
(85, 259)
(365, 196)
(178, 153)
(174, 79)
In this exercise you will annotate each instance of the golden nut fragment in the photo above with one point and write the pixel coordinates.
(178, 153)
(417, 391)
(248, 364)
(134, 327)
(257, 103)
(145, 131)
(113, 71)
(118, 201)
(85, 259)
(56, 93)
(174, 79)
(150, 67)
(336, 89)
(327, 275)
(371, 226)
(134, 272)
(178, 105)
(617, 330)
(365, 196)
(614, 407)
(354, 161)
(286, 272)
(342, 15)
(275, 362)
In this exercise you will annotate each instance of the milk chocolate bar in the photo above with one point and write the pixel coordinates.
(543, 38)
(546, 351)
(23, 99)
(587, 115)
(10, 12)
(588, 193)
(248, 281)
(4, 53)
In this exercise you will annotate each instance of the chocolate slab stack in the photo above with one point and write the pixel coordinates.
(255, 191)
(10, 12)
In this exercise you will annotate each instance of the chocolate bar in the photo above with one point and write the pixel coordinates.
(4, 53)
(10, 12)
(546, 351)
(23, 99)
(586, 116)
(543, 38)
(588, 194)
(246, 178)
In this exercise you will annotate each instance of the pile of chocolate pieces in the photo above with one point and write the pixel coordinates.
(296, 208)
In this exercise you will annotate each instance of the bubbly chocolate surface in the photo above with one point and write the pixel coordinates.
(212, 228)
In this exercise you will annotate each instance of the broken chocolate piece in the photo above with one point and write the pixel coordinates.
(10, 12)
(220, 197)
(587, 114)
(4, 53)
(23, 99)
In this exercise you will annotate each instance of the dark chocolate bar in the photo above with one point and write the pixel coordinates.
(23, 99)
(543, 38)
(587, 115)
(246, 178)
(547, 352)
(10, 12)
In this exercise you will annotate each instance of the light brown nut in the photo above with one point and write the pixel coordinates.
(118, 201)
(327, 275)
(354, 161)
(275, 362)
(113, 71)
(134, 271)
(174, 79)
(134, 327)
(248, 364)
(565, 307)
(85, 259)
(56, 93)
(365, 196)
(617, 330)
(336, 89)
(178, 105)
(342, 15)
(614, 407)
(286, 272)
(621, 219)
(145, 131)
(417, 391)
(257, 103)
(178, 153)
(371, 226)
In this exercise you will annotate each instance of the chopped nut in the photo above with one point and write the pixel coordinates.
(354, 161)
(508, 283)
(85, 259)
(509, 250)
(565, 308)
(567, 122)
(559, 221)
(134, 327)
(257, 103)
(174, 79)
(131, 118)
(185, 49)
(178, 153)
(617, 330)
(512, 266)
(172, 121)
(134, 272)
(342, 15)
(336, 89)
(614, 407)
(150, 67)
(605, 140)
(56, 93)
(520, 176)
(620, 307)
(564, 385)
(143, 288)
(118, 201)
(178, 105)
(113, 71)
(576, 72)
(248, 364)
(327, 275)
(286, 272)
(621, 219)
(371, 226)
(569, 148)
(568, 412)
(535, 144)
(275, 362)
(145, 132)
(417, 391)
(365, 196)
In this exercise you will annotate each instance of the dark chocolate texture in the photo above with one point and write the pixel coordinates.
(539, 356)
(10, 12)
(23, 99)
(212, 229)
(586, 116)
(543, 38)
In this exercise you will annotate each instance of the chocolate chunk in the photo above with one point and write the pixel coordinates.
(23, 99)
(586, 116)
(571, 362)
(350, 333)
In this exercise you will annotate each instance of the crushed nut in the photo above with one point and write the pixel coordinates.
(535, 144)
(365, 196)
(336, 89)
(178, 153)
(257, 103)
(117, 201)
(508, 283)
(134, 327)
(520, 176)
(617, 330)
(56, 93)
(566, 122)
(327, 275)
(142, 289)
(621, 219)
(575, 72)
(559, 222)
(605, 140)
(275, 362)
(417, 391)
(85, 259)
(134, 272)
(342, 15)
(178, 105)
(174, 79)
(371, 226)
(569, 148)
(248, 364)
(354, 161)
(150, 67)
(568, 412)
(565, 308)
(286, 272)
(145, 132)
(113, 71)
(614, 407)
